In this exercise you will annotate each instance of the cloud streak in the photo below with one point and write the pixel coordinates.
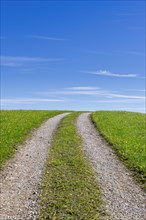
(88, 90)
(127, 96)
(92, 91)
(27, 101)
(46, 38)
(83, 88)
(16, 61)
(108, 73)
(118, 101)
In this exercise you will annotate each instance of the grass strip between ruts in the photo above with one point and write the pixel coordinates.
(69, 189)
(126, 132)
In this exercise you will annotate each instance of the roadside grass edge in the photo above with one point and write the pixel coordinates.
(16, 126)
(139, 176)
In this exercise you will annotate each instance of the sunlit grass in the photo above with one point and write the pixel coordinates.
(126, 132)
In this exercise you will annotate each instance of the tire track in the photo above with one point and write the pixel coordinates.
(124, 199)
(20, 179)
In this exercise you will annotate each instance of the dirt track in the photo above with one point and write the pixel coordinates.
(20, 180)
(124, 199)
(21, 177)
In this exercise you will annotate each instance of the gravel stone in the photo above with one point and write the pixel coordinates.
(124, 198)
(20, 179)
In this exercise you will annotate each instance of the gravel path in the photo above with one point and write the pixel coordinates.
(20, 179)
(124, 199)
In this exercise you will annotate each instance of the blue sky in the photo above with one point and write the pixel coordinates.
(79, 55)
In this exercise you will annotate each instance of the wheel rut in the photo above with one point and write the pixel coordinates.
(124, 199)
(21, 177)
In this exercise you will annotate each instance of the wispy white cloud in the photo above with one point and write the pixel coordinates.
(141, 90)
(69, 92)
(127, 96)
(111, 74)
(14, 61)
(108, 73)
(118, 100)
(87, 90)
(83, 88)
(92, 91)
(46, 38)
(27, 101)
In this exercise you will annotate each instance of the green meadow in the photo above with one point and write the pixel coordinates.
(126, 132)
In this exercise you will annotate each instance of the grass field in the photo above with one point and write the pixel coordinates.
(15, 125)
(69, 189)
(126, 132)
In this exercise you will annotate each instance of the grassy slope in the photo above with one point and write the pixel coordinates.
(127, 133)
(15, 125)
(69, 189)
